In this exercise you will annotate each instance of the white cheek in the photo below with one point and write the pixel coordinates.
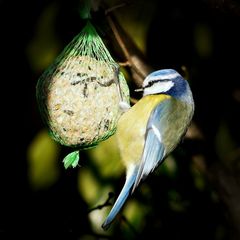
(158, 87)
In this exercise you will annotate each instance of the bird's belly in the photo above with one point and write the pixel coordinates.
(132, 127)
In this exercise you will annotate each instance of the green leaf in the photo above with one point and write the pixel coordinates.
(71, 159)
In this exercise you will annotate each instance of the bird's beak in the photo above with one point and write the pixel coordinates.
(139, 90)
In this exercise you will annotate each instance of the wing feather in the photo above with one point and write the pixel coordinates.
(154, 150)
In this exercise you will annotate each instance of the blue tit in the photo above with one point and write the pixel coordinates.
(151, 129)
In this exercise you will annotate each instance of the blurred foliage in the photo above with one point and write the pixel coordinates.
(43, 154)
(195, 192)
(133, 19)
(106, 158)
(45, 45)
(225, 145)
(203, 40)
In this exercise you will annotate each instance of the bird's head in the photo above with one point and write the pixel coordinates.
(166, 81)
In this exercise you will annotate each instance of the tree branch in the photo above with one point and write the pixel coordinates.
(105, 204)
(134, 57)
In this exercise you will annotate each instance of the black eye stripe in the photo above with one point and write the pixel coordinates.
(157, 80)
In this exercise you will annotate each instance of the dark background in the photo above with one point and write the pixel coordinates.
(200, 35)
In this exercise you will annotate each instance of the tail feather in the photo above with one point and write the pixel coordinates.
(130, 180)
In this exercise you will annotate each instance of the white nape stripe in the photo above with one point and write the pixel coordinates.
(157, 133)
(158, 87)
(160, 77)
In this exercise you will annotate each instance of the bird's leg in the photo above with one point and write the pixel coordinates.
(123, 105)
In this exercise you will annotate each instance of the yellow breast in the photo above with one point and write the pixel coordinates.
(132, 126)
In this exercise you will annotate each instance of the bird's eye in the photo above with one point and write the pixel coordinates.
(155, 81)
(165, 80)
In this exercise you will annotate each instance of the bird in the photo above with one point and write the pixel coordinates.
(151, 129)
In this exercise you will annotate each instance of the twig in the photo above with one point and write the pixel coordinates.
(106, 203)
(124, 64)
(111, 9)
(132, 54)
(119, 40)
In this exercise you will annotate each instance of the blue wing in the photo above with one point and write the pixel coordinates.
(154, 150)
(131, 176)
(152, 156)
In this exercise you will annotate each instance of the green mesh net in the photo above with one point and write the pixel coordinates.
(79, 94)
